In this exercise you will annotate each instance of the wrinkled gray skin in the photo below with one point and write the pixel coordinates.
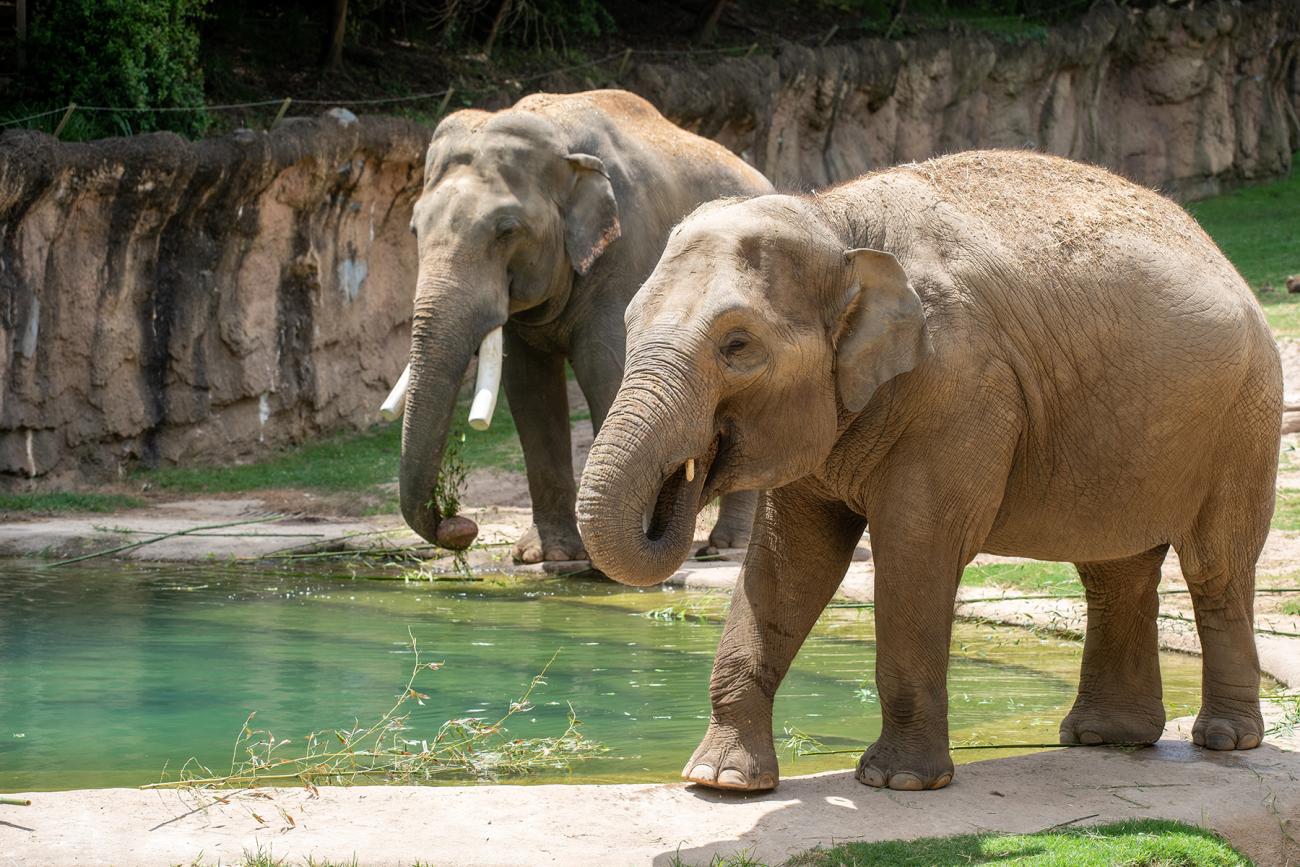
(545, 218)
(994, 351)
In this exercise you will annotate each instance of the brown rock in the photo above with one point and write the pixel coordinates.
(456, 533)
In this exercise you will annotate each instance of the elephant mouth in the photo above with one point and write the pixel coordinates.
(687, 488)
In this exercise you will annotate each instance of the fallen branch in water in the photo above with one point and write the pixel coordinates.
(190, 532)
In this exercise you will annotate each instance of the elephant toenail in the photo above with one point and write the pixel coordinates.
(767, 781)
(943, 780)
(1248, 741)
(1220, 740)
(906, 782)
(701, 773)
(871, 777)
(1090, 738)
(733, 777)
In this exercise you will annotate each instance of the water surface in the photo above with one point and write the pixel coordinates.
(111, 672)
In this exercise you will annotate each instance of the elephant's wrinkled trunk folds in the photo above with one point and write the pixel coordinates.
(637, 506)
(449, 323)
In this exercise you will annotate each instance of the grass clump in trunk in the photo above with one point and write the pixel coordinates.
(387, 751)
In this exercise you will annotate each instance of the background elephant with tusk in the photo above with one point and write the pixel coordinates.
(535, 227)
(989, 352)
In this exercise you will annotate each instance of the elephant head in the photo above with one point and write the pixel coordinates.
(758, 329)
(508, 217)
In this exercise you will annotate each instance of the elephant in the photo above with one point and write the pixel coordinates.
(992, 351)
(542, 220)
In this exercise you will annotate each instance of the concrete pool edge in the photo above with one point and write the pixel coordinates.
(1252, 798)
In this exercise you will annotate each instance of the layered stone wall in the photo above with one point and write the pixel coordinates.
(1189, 101)
(166, 300)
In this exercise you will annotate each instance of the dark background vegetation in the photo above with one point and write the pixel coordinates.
(139, 56)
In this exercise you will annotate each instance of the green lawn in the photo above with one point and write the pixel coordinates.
(1258, 228)
(359, 463)
(1035, 577)
(1139, 843)
(65, 501)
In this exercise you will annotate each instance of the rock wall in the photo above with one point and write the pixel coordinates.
(163, 301)
(1189, 101)
(166, 300)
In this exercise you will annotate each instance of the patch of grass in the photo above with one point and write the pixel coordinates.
(347, 463)
(1258, 228)
(736, 859)
(1141, 843)
(1292, 608)
(1035, 577)
(66, 501)
(1286, 514)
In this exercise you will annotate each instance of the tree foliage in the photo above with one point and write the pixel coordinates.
(136, 54)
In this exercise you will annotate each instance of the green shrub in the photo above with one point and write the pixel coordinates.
(138, 54)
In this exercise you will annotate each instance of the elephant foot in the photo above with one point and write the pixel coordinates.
(1127, 721)
(1238, 726)
(735, 760)
(888, 765)
(543, 544)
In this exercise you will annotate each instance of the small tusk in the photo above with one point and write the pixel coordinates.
(488, 381)
(690, 469)
(392, 408)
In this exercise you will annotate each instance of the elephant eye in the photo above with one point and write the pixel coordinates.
(507, 226)
(735, 344)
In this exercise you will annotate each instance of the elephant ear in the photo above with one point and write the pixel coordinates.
(591, 213)
(882, 330)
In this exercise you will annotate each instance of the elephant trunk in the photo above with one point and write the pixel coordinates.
(644, 481)
(446, 329)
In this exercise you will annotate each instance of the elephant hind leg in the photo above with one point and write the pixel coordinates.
(1119, 684)
(1218, 559)
(1219, 566)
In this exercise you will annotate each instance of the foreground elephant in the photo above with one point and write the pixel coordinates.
(545, 218)
(994, 351)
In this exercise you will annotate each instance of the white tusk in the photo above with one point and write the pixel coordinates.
(392, 408)
(690, 469)
(488, 381)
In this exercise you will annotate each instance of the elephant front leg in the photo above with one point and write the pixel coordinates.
(914, 603)
(535, 387)
(929, 517)
(802, 547)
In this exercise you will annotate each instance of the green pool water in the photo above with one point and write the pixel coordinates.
(109, 673)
